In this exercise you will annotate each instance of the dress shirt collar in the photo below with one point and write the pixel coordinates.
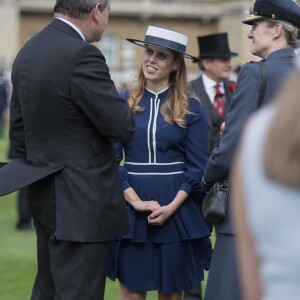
(209, 83)
(209, 86)
(73, 26)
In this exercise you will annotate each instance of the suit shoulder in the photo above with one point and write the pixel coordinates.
(195, 81)
(90, 50)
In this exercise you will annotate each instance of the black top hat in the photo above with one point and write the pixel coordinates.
(165, 38)
(214, 46)
(284, 10)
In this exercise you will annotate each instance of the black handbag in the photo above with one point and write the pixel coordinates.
(215, 202)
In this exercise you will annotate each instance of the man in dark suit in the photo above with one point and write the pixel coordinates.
(3, 101)
(274, 34)
(65, 116)
(216, 69)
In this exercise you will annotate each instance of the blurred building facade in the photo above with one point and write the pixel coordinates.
(20, 19)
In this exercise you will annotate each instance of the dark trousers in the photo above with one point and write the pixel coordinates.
(69, 270)
(223, 278)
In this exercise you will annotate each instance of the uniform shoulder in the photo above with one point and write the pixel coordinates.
(250, 66)
(249, 63)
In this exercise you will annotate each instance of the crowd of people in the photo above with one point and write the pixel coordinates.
(114, 180)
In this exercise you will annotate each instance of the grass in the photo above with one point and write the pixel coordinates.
(18, 251)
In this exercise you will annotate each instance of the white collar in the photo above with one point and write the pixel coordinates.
(209, 83)
(73, 26)
(159, 91)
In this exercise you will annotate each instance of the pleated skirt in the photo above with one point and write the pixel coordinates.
(170, 257)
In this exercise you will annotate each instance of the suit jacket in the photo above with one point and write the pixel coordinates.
(3, 97)
(214, 121)
(278, 64)
(65, 116)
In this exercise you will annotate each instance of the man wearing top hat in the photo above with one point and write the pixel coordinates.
(274, 32)
(215, 65)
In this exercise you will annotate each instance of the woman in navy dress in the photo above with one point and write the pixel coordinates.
(168, 245)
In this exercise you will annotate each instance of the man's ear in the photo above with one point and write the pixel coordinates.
(205, 63)
(96, 11)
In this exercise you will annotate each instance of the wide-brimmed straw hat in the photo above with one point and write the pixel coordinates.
(165, 38)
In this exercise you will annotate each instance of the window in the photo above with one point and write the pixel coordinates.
(109, 46)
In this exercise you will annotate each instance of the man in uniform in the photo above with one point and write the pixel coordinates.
(215, 91)
(274, 32)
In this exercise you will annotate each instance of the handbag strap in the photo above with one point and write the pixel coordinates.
(264, 76)
(225, 184)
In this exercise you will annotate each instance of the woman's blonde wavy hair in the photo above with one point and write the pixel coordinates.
(282, 148)
(176, 107)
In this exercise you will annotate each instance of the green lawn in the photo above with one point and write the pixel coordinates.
(18, 252)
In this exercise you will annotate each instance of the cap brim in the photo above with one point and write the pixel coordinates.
(143, 44)
(252, 18)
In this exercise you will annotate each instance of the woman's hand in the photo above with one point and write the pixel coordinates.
(139, 205)
(160, 216)
(146, 206)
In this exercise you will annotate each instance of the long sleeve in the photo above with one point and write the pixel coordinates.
(123, 171)
(16, 129)
(196, 140)
(279, 64)
(243, 105)
(108, 112)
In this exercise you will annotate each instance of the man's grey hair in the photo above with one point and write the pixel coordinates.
(78, 9)
(201, 65)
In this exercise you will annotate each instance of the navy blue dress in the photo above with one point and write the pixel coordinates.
(160, 160)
